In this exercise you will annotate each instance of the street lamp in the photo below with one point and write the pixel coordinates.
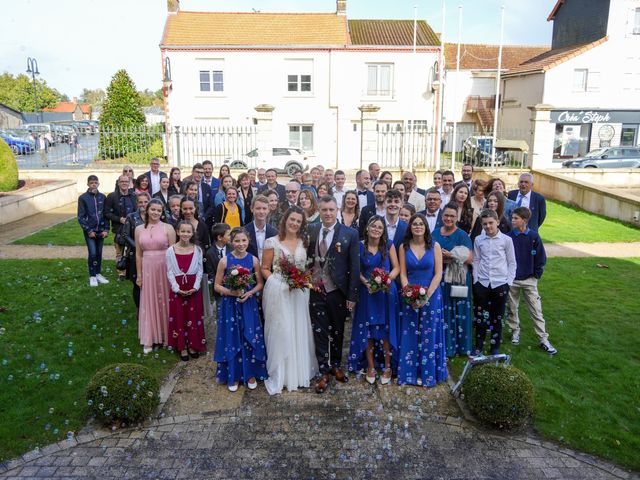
(32, 68)
(167, 84)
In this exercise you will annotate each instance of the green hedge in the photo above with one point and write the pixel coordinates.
(8, 168)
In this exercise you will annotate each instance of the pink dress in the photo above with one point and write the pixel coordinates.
(153, 315)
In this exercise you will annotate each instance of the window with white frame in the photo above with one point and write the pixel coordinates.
(299, 75)
(380, 79)
(417, 124)
(211, 81)
(580, 80)
(301, 136)
(636, 22)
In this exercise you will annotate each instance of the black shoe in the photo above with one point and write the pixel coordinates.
(194, 354)
(184, 358)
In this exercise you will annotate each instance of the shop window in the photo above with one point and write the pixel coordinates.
(571, 140)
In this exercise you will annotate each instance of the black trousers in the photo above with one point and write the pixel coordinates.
(489, 305)
(328, 313)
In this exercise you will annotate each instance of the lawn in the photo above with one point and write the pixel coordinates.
(588, 395)
(66, 233)
(565, 223)
(55, 333)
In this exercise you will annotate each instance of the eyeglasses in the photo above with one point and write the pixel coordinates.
(127, 171)
(291, 191)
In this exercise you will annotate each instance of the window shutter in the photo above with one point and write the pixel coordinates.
(372, 79)
(593, 82)
(385, 79)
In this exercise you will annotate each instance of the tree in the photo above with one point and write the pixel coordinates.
(122, 120)
(17, 93)
(93, 97)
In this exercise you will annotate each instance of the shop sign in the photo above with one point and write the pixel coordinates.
(594, 116)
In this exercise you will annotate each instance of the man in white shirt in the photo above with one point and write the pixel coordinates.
(259, 230)
(339, 190)
(363, 185)
(494, 269)
(378, 208)
(374, 171)
(433, 212)
(396, 228)
(154, 175)
(329, 178)
(411, 193)
(448, 179)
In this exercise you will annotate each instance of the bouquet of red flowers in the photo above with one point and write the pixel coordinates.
(414, 295)
(239, 278)
(379, 281)
(295, 276)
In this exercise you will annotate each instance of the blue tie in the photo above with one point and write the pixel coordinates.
(520, 197)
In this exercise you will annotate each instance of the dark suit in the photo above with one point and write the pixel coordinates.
(328, 310)
(401, 231)
(469, 185)
(537, 205)
(215, 185)
(365, 214)
(211, 263)
(279, 189)
(253, 243)
(371, 199)
(148, 175)
(438, 219)
(207, 202)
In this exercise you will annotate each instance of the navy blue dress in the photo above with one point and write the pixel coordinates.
(376, 314)
(240, 351)
(422, 353)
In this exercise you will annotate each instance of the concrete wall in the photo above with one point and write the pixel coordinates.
(605, 177)
(590, 197)
(39, 199)
(518, 93)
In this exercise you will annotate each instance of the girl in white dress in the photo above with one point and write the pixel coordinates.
(291, 360)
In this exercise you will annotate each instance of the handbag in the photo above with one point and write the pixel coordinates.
(459, 291)
(121, 263)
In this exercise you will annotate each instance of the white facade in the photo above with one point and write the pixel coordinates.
(323, 118)
(463, 84)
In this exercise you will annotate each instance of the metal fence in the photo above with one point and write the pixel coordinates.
(191, 145)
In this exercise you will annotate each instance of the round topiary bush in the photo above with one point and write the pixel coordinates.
(498, 395)
(8, 168)
(122, 392)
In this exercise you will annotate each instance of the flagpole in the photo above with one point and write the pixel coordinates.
(496, 107)
(438, 122)
(455, 92)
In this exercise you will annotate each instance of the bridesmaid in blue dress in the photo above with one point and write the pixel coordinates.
(375, 320)
(240, 351)
(423, 359)
(458, 312)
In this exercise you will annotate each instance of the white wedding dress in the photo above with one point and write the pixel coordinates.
(291, 359)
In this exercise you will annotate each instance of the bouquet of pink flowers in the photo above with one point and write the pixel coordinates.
(414, 296)
(239, 278)
(379, 281)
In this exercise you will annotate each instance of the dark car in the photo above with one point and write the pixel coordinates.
(19, 146)
(477, 151)
(608, 157)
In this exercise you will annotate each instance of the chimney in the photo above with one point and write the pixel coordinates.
(75, 99)
(341, 7)
(173, 6)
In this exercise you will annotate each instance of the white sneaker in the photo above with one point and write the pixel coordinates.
(101, 279)
(147, 350)
(515, 339)
(547, 347)
(252, 385)
(93, 282)
(233, 388)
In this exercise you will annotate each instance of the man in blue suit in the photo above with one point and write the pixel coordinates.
(209, 179)
(259, 230)
(380, 189)
(205, 196)
(396, 228)
(433, 212)
(526, 197)
(335, 250)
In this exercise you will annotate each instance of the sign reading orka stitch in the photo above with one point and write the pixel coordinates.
(594, 116)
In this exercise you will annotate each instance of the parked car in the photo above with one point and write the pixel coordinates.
(19, 146)
(608, 157)
(284, 159)
(64, 131)
(42, 129)
(477, 151)
(89, 126)
(20, 132)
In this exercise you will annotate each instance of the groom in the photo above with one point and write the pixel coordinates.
(335, 251)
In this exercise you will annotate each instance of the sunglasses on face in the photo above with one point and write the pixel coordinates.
(127, 171)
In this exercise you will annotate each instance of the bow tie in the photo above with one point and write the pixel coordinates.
(363, 192)
(431, 214)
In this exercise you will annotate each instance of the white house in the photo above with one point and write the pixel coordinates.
(583, 93)
(309, 74)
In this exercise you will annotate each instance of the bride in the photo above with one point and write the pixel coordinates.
(291, 360)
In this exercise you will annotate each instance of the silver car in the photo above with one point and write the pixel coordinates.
(609, 157)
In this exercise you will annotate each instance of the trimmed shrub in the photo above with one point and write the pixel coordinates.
(143, 158)
(8, 168)
(498, 395)
(122, 392)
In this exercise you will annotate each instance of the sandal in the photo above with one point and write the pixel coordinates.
(386, 377)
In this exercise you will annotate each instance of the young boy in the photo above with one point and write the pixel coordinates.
(494, 268)
(531, 259)
(95, 227)
(221, 235)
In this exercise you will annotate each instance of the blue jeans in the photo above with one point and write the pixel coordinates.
(94, 246)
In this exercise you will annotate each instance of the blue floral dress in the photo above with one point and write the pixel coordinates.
(376, 315)
(240, 352)
(422, 353)
(458, 312)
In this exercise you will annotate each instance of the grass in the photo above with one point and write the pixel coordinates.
(565, 223)
(66, 233)
(55, 333)
(588, 395)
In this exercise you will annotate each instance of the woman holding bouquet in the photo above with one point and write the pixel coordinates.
(291, 360)
(240, 351)
(377, 308)
(422, 357)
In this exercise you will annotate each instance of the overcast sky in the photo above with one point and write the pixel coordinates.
(82, 43)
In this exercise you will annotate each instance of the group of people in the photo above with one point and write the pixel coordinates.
(423, 274)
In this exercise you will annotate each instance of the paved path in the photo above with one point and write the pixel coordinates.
(353, 431)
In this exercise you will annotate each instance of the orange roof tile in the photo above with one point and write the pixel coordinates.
(391, 32)
(85, 107)
(485, 57)
(65, 107)
(553, 58)
(242, 28)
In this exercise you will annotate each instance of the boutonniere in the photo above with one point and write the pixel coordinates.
(338, 247)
